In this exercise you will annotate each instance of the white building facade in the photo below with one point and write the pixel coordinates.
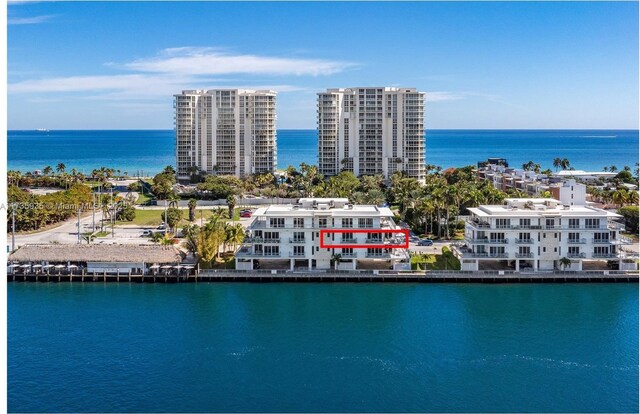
(535, 234)
(372, 130)
(225, 132)
(288, 237)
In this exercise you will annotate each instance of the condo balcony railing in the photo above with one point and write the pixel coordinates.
(378, 255)
(524, 255)
(604, 255)
(296, 240)
(487, 241)
(249, 253)
(481, 224)
(524, 241)
(577, 255)
(485, 225)
(576, 241)
(600, 241)
(348, 255)
(296, 254)
(484, 254)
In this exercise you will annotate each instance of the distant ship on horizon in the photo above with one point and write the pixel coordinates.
(42, 130)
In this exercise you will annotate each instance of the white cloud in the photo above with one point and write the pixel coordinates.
(443, 96)
(456, 96)
(30, 20)
(215, 61)
(171, 72)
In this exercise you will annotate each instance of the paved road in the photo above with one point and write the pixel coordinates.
(66, 233)
(435, 249)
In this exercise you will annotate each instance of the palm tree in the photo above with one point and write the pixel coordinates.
(620, 197)
(564, 262)
(335, 259)
(231, 204)
(564, 164)
(169, 170)
(60, 168)
(173, 201)
(88, 237)
(47, 170)
(557, 163)
(14, 177)
(156, 237)
(613, 168)
(192, 209)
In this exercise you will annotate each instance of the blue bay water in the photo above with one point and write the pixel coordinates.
(322, 347)
(150, 151)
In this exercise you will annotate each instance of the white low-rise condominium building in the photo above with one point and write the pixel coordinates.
(372, 130)
(225, 132)
(538, 233)
(288, 237)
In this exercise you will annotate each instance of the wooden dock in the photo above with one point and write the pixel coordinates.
(210, 276)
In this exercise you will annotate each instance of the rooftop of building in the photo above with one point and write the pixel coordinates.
(356, 88)
(108, 253)
(539, 207)
(237, 90)
(581, 173)
(335, 207)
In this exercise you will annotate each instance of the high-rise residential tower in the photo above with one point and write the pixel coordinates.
(225, 132)
(371, 130)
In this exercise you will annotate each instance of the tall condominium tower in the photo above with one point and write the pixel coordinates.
(371, 131)
(225, 132)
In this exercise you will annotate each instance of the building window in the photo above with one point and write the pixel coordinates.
(347, 252)
(272, 236)
(525, 222)
(298, 236)
(365, 223)
(347, 223)
(272, 250)
(322, 222)
(574, 223)
(276, 222)
(298, 250)
(298, 222)
(503, 223)
(592, 223)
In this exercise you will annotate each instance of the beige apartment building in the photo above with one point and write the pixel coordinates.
(225, 131)
(371, 130)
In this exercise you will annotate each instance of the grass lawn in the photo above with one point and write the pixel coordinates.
(102, 234)
(143, 198)
(226, 261)
(444, 261)
(155, 217)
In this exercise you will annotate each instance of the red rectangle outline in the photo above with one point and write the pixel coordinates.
(362, 246)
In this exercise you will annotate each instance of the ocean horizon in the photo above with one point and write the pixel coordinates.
(146, 152)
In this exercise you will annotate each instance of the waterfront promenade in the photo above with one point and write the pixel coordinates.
(266, 276)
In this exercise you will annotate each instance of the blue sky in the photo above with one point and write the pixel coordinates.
(483, 65)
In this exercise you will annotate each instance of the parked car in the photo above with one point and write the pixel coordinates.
(414, 239)
(425, 242)
(146, 233)
(162, 226)
(245, 213)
